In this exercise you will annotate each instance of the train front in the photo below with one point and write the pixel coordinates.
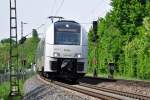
(67, 52)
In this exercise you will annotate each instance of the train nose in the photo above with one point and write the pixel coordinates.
(66, 51)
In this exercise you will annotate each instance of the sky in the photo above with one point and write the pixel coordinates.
(36, 13)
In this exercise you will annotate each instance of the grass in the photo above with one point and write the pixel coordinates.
(116, 76)
(4, 90)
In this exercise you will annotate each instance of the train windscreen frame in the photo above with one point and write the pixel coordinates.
(67, 33)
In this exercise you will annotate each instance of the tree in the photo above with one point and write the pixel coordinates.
(7, 40)
(34, 33)
(124, 38)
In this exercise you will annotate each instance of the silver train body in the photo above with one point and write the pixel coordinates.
(63, 51)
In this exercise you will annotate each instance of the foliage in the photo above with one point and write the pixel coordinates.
(4, 90)
(26, 52)
(4, 55)
(7, 40)
(34, 33)
(124, 39)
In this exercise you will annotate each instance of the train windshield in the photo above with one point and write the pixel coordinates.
(67, 33)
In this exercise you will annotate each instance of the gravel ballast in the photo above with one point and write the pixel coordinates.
(35, 89)
(124, 86)
(131, 88)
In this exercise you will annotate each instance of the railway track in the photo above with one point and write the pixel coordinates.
(80, 90)
(100, 92)
(131, 95)
(121, 81)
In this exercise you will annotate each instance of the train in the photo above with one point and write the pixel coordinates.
(62, 53)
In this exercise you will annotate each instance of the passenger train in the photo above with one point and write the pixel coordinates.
(62, 53)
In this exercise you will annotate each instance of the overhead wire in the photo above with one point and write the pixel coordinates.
(88, 23)
(95, 8)
(52, 10)
(57, 11)
(59, 8)
(107, 1)
(40, 26)
(53, 6)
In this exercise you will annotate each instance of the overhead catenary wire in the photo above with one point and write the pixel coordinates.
(59, 8)
(86, 23)
(40, 26)
(95, 8)
(107, 1)
(52, 10)
(53, 6)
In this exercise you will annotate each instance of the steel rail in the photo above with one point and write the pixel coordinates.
(83, 91)
(138, 82)
(127, 94)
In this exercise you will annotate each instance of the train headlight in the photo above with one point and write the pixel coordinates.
(56, 54)
(78, 55)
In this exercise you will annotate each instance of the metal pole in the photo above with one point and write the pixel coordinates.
(22, 47)
(13, 60)
(95, 44)
(21, 29)
(22, 23)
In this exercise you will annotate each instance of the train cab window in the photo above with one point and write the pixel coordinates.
(67, 33)
(67, 38)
